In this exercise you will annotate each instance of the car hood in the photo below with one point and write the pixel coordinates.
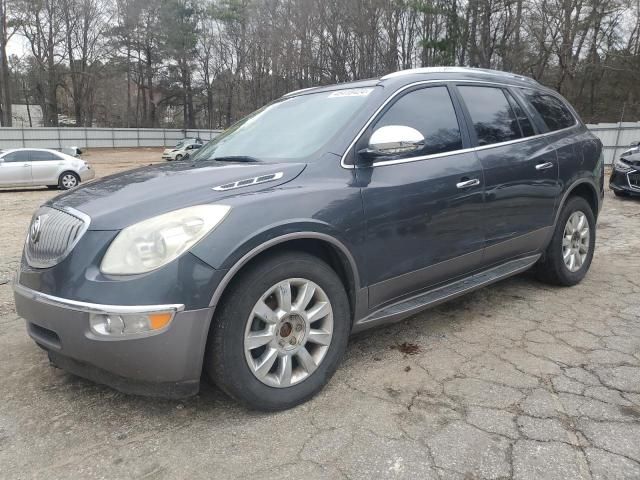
(123, 199)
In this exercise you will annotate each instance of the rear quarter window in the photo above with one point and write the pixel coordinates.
(553, 111)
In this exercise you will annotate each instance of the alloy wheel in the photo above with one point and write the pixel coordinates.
(69, 180)
(575, 241)
(288, 332)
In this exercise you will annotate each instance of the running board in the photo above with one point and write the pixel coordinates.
(407, 307)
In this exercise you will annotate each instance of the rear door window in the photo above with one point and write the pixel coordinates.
(553, 112)
(493, 118)
(430, 111)
(523, 120)
(42, 156)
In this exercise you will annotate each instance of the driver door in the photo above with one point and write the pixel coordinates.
(424, 210)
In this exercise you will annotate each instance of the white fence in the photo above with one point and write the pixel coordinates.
(46, 137)
(615, 137)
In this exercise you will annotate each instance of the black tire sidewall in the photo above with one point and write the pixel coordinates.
(564, 275)
(226, 359)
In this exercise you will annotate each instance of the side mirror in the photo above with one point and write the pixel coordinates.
(393, 140)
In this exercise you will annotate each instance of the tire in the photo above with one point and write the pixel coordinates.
(619, 193)
(178, 157)
(68, 180)
(228, 361)
(553, 269)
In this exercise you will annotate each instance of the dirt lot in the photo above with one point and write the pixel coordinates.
(516, 380)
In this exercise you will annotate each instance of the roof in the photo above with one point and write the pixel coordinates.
(465, 70)
(441, 72)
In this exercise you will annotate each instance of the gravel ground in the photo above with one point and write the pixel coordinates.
(518, 380)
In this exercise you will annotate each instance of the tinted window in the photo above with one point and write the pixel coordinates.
(555, 115)
(20, 156)
(491, 114)
(40, 156)
(431, 112)
(525, 123)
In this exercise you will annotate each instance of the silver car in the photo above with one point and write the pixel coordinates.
(21, 167)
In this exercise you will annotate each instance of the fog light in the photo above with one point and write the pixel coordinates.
(119, 324)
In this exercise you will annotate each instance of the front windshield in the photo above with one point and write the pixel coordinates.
(290, 128)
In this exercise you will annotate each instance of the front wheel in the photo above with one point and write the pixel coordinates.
(569, 254)
(279, 334)
(178, 157)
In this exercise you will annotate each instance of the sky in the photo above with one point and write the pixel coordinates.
(17, 46)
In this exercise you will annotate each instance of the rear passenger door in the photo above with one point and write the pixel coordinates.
(423, 210)
(520, 172)
(45, 166)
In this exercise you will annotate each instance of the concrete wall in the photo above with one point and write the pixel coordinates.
(46, 137)
(615, 137)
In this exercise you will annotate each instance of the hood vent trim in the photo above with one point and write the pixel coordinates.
(269, 177)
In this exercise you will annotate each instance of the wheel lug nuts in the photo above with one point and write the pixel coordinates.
(292, 341)
(298, 328)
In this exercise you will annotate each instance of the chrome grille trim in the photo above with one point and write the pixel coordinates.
(60, 231)
(269, 177)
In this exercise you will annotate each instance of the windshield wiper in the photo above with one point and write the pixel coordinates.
(235, 158)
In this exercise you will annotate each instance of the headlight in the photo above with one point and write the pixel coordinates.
(621, 165)
(157, 241)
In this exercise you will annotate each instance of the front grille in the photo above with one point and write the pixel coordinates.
(634, 180)
(52, 235)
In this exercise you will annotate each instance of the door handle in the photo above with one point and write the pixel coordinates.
(468, 183)
(544, 166)
(26, 164)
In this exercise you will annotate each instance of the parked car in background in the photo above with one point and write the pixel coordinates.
(21, 167)
(184, 147)
(625, 175)
(72, 151)
(329, 211)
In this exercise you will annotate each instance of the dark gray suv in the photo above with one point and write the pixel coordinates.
(327, 212)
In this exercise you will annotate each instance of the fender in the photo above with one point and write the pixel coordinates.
(570, 189)
(564, 198)
(278, 240)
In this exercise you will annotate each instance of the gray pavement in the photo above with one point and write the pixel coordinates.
(518, 380)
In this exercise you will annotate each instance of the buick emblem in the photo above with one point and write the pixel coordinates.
(34, 231)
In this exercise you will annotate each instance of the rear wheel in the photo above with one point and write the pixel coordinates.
(280, 333)
(569, 254)
(68, 180)
(178, 157)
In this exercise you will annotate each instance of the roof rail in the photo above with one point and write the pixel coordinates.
(295, 92)
(486, 71)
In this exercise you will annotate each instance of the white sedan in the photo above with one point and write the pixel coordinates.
(21, 167)
(180, 150)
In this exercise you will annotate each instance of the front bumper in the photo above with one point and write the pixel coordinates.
(167, 364)
(628, 182)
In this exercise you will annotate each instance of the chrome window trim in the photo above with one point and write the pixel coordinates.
(452, 152)
(87, 307)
